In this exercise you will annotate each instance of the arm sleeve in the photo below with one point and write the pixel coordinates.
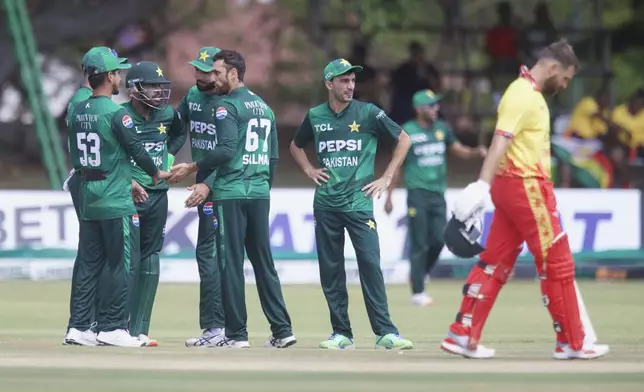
(227, 135)
(512, 109)
(274, 154)
(177, 135)
(304, 134)
(131, 143)
(182, 109)
(210, 180)
(450, 138)
(382, 124)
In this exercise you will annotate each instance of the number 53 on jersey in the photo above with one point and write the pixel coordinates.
(257, 133)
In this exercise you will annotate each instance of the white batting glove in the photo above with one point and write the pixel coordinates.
(471, 200)
(66, 183)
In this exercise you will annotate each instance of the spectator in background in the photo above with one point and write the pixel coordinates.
(366, 81)
(539, 34)
(502, 48)
(591, 116)
(629, 119)
(413, 75)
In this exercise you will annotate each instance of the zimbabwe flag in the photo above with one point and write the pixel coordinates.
(589, 165)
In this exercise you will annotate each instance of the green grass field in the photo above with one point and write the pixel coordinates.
(33, 317)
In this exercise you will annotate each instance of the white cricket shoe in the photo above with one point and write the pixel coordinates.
(208, 338)
(589, 351)
(457, 345)
(76, 337)
(421, 299)
(148, 342)
(231, 343)
(119, 338)
(273, 342)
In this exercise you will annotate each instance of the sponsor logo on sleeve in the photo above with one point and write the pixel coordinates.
(221, 113)
(127, 121)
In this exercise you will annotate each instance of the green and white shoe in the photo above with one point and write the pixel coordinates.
(337, 342)
(393, 341)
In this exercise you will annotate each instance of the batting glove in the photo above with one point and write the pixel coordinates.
(471, 201)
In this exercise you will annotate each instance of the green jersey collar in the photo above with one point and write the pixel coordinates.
(339, 114)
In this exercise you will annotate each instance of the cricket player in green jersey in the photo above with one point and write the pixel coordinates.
(105, 140)
(345, 133)
(160, 128)
(425, 173)
(245, 159)
(197, 109)
(72, 183)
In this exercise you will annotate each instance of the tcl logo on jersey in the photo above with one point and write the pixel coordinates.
(150, 146)
(323, 127)
(340, 145)
(194, 107)
(201, 127)
(207, 208)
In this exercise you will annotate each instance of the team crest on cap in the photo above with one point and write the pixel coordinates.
(135, 220)
(221, 113)
(207, 208)
(127, 121)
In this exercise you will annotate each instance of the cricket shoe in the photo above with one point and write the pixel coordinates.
(148, 342)
(589, 351)
(209, 338)
(393, 341)
(421, 299)
(338, 342)
(231, 343)
(119, 338)
(457, 345)
(76, 337)
(273, 342)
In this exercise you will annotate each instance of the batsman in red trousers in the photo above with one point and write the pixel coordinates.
(516, 173)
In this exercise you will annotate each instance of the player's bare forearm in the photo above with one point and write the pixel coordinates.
(400, 152)
(498, 148)
(463, 152)
(300, 158)
(394, 182)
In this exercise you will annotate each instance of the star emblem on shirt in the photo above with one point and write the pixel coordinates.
(161, 128)
(371, 224)
(159, 72)
(203, 56)
(439, 135)
(345, 63)
(355, 127)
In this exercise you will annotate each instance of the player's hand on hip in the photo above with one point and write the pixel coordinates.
(318, 176)
(199, 194)
(376, 188)
(471, 200)
(389, 206)
(139, 195)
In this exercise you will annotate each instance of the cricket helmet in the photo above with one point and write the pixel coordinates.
(148, 84)
(461, 241)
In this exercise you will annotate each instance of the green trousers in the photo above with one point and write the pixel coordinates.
(426, 219)
(113, 243)
(153, 214)
(211, 311)
(243, 224)
(329, 237)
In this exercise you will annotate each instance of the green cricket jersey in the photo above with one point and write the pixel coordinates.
(345, 144)
(105, 138)
(82, 94)
(247, 152)
(161, 134)
(198, 109)
(425, 166)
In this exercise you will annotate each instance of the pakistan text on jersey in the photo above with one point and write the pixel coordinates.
(255, 159)
(334, 162)
(158, 161)
(204, 144)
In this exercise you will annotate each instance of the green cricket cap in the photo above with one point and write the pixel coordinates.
(339, 67)
(100, 49)
(425, 98)
(204, 60)
(102, 62)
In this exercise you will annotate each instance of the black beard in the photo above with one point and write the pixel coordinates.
(115, 91)
(203, 87)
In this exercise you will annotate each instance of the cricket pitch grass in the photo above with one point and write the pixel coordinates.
(33, 316)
